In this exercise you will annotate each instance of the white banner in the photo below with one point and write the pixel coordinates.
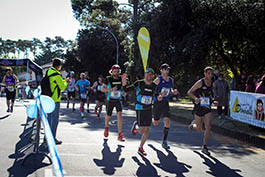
(247, 107)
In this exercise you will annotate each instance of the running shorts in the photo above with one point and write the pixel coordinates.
(111, 104)
(10, 95)
(161, 109)
(144, 117)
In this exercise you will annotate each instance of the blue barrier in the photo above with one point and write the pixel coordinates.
(57, 167)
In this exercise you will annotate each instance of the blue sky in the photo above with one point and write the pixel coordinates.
(25, 19)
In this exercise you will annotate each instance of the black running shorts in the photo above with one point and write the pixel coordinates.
(10, 95)
(144, 117)
(111, 104)
(161, 109)
(200, 110)
(70, 94)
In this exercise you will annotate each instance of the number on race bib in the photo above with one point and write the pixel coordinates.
(10, 88)
(146, 100)
(115, 94)
(83, 95)
(205, 101)
(165, 89)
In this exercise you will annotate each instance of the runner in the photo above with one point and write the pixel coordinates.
(161, 108)
(82, 85)
(100, 96)
(10, 82)
(145, 92)
(113, 85)
(89, 92)
(202, 94)
(71, 90)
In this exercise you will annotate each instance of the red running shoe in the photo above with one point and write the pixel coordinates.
(121, 137)
(141, 151)
(106, 132)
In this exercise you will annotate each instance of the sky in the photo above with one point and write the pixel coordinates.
(25, 19)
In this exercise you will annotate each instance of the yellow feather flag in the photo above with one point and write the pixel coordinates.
(144, 41)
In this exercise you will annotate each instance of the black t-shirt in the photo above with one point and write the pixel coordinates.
(145, 94)
(112, 82)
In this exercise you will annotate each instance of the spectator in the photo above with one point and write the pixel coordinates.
(250, 85)
(242, 84)
(261, 86)
(221, 92)
(57, 84)
(215, 76)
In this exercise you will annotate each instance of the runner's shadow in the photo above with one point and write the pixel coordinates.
(145, 169)
(218, 168)
(24, 147)
(169, 163)
(110, 160)
(4, 117)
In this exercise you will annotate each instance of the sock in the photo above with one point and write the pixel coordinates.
(165, 133)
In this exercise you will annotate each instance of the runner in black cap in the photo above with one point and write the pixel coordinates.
(161, 108)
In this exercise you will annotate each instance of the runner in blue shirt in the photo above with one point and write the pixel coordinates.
(82, 86)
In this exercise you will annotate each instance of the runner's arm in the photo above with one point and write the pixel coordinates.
(191, 91)
(156, 81)
(105, 89)
(4, 81)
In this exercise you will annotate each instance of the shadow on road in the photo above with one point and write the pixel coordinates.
(24, 147)
(218, 168)
(178, 134)
(169, 162)
(4, 117)
(110, 160)
(146, 168)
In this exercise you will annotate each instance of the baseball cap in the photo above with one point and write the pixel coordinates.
(115, 67)
(165, 66)
(72, 73)
(149, 70)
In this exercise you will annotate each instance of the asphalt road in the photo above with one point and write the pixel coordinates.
(85, 152)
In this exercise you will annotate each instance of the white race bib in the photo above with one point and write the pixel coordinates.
(115, 94)
(205, 101)
(83, 95)
(71, 89)
(165, 89)
(99, 87)
(146, 100)
(10, 88)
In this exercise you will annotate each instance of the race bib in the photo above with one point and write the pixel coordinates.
(115, 94)
(71, 89)
(99, 87)
(165, 89)
(10, 88)
(146, 100)
(205, 101)
(83, 95)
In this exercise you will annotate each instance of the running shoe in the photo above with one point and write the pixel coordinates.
(11, 110)
(8, 110)
(106, 132)
(67, 106)
(205, 150)
(82, 115)
(73, 109)
(121, 137)
(133, 129)
(165, 145)
(141, 151)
